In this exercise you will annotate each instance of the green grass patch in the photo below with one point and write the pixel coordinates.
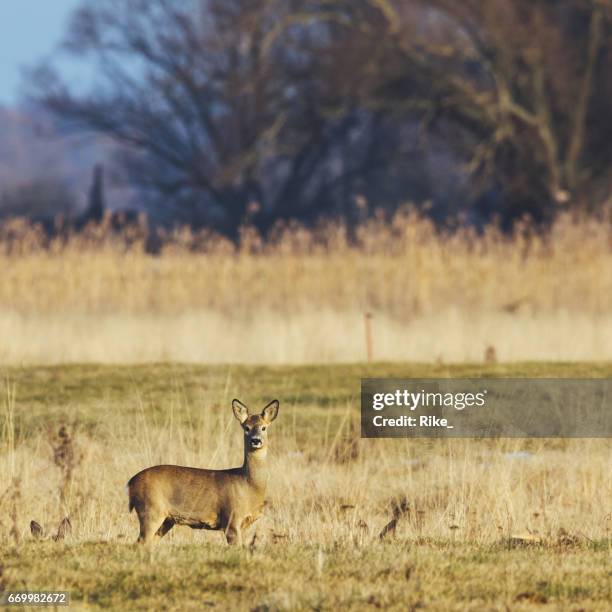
(409, 571)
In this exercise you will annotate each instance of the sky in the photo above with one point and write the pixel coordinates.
(29, 30)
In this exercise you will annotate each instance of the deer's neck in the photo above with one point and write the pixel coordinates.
(255, 468)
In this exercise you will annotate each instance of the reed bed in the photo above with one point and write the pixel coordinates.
(302, 294)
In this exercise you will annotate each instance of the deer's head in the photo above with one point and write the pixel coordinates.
(255, 426)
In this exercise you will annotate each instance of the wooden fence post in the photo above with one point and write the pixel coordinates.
(367, 320)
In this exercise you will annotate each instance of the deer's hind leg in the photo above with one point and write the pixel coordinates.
(152, 523)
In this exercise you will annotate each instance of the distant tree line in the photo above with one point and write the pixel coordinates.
(264, 110)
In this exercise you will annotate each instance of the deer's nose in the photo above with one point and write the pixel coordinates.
(256, 442)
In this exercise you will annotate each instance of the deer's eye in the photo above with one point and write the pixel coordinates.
(263, 429)
(247, 428)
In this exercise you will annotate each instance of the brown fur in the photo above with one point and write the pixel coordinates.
(230, 500)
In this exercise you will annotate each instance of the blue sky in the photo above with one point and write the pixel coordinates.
(29, 30)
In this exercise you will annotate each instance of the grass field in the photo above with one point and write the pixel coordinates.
(488, 524)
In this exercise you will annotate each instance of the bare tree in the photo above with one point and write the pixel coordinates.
(520, 89)
(234, 110)
(221, 104)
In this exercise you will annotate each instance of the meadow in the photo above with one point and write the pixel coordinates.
(434, 295)
(113, 358)
(350, 524)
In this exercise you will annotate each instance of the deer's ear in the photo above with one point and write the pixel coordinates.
(270, 412)
(241, 412)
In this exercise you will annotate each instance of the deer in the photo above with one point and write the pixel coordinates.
(228, 500)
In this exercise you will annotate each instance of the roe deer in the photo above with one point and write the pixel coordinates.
(230, 500)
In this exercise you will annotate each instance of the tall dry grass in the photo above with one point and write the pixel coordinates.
(301, 295)
(336, 489)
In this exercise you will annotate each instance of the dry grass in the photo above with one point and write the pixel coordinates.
(458, 505)
(301, 296)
